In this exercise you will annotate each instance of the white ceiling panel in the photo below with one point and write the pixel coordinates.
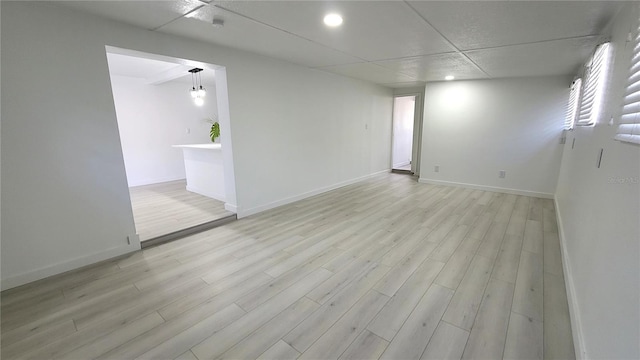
(369, 72)
(387, 42)
(435, 67)
(481, 24)
(145, 14)
(241, 33)
(406, 84)
(560, 57)
(372, 30)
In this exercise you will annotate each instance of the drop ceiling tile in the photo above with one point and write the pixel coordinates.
(241, 33)
(372, 30)
(474, 25)
(435, 67)
(410, 84)
(560, 57)
(144, 14)
(369, 72)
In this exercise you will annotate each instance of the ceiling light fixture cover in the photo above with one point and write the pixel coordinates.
(449, 77)
(217, 23)
(333, 20)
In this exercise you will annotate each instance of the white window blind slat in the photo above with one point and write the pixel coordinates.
(593, 87)
(572, 107)
(629, 124)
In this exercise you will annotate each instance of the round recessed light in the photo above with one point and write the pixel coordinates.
(449, 77)
(333, 20)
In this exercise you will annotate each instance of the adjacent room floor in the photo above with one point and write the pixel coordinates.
(386, 268)
(164, 208)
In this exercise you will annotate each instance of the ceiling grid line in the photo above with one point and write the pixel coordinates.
(392, 43)
(283, 30)
(447, 39)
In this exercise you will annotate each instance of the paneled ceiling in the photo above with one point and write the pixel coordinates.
(393, 43)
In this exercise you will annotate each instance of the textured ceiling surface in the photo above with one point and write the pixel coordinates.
(393, 43)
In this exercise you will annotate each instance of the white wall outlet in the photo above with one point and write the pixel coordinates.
(133, 239)
(502, 174)
(436, 168)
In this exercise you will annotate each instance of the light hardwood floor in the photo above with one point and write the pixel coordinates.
(386, 268)
(164, 208)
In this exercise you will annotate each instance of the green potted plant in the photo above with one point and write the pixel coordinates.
(214, 131)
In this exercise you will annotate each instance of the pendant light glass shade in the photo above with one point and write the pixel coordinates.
(197, 91)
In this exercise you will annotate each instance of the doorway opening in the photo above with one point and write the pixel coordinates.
(180, 177)
(402, 153)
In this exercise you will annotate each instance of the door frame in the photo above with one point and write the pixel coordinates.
(416, 146)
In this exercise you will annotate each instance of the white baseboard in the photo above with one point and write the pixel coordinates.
(25, 278)
(154, 181)
(574, 312)
(232, 208)
(402, 164)
(488, 188)
(247, 212)
(219, 197)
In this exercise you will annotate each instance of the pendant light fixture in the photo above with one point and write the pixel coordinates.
(197, 91)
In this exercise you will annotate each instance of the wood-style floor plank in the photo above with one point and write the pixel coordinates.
(163, 208)
(384, 268)
(447, 342)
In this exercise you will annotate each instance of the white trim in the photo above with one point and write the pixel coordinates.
(244, 213)
(488, 188)
(230, 207)
(193, 189)
(147, 181)
(74, 264)
(572, 300)
(402, 164)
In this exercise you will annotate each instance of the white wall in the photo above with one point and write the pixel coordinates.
(151, 118)
(474, 129)
(65, 200)
(599, 211)
(403, 118)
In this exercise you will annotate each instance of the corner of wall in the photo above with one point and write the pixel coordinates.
(242, 213)
(59, 268)
(572, 299)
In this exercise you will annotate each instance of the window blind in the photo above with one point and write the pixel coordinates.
(629, 128)
(572, 107)
(593, 89)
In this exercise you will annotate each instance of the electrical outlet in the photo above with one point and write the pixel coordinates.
(436, 168)
(502, 174)
(133, 239)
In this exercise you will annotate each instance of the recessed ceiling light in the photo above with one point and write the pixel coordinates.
(333, 20)
(449, 77)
